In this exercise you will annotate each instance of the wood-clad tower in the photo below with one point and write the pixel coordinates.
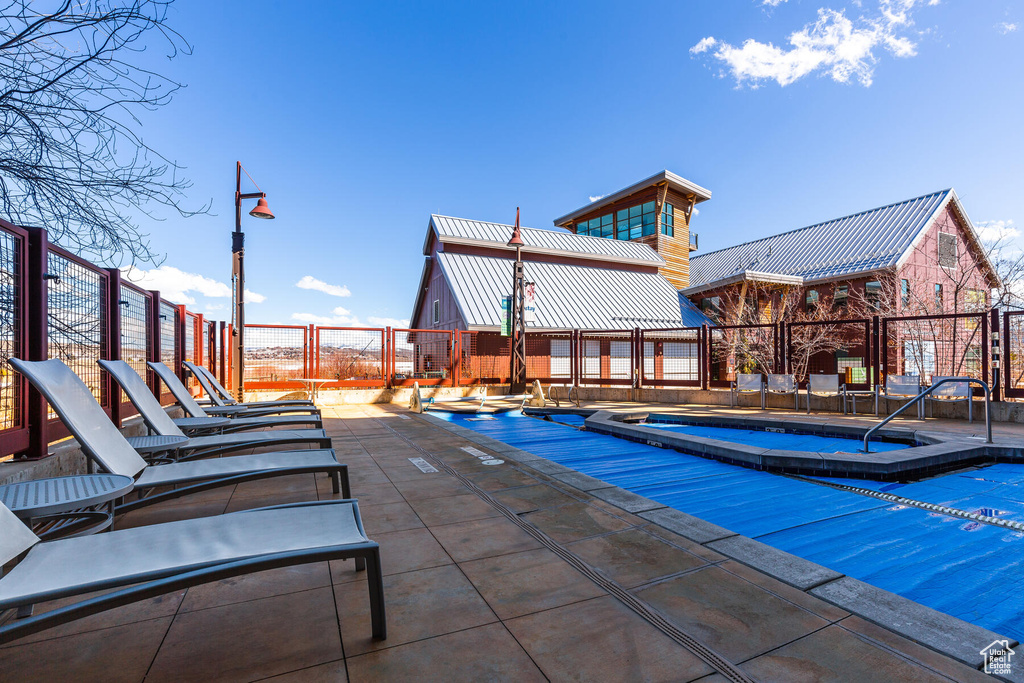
(656, 211)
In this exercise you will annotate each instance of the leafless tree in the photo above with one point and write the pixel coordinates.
(72, 159)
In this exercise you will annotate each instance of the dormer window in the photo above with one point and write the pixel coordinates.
(636, 221)
(668, 220)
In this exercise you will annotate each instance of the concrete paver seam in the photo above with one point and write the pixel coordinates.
(710, 657)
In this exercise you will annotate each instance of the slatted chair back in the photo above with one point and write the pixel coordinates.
(141, 397)
(177, 389)
(82, 415)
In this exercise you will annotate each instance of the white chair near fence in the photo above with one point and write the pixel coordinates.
(899, 387)
(747, 383)
(953, 392)
(785, 385)
(825, 386)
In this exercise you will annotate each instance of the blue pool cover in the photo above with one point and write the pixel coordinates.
(970, 570)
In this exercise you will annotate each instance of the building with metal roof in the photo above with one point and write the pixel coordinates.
(581, 282)
(884, 238)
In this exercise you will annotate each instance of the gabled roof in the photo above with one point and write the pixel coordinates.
(836, 249)
(674, 181)
(569, 296)
(449, 230)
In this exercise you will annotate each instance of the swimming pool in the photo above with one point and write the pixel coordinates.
(961, 567)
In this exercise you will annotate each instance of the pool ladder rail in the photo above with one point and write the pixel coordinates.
(920, 397)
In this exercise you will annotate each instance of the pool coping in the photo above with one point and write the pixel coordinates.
(928, 627)
(938, 452)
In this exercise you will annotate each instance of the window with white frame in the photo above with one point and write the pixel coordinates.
(437, 311)
(561, 356)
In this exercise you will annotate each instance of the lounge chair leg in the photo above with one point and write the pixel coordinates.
(375, 582)
(336, 482)
(360, 564)
(25, 611)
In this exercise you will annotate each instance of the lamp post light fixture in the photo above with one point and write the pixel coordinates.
(238, 273)
(517, 371)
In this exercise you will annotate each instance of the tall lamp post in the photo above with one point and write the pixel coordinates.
(517, 372)
(238, 271)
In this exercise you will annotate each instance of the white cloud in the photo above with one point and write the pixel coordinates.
(995, 231)
(310, 282)
(215, 307)
(1006, 27)
(174, 284)
(834, 45)
(595, 197)
(388, 322)
(703, 45)
(341, 310)
(772, 3)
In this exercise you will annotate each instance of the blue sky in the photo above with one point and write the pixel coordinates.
(359, 120)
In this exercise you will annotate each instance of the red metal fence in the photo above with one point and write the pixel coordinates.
(54, 304)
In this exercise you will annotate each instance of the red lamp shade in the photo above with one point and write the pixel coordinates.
(516, 240)
(262, 210)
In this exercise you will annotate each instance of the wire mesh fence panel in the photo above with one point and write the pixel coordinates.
(275, 354)
(606, 358)
(12, 320)
(191, 344)
(136, 345)
(740, 349)
(77, 318)
(210, 341)
(951, 345)
(671, 357)
(168, 339)
(1013, 354)
(549, 357)
(350, 356)
(423, 356)
(834, 347)
(484, 358)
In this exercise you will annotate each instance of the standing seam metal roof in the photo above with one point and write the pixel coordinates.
(568, 296)
(870, 240)
(498, 234)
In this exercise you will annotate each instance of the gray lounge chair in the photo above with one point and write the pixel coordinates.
(193, 409)
(154, 560)
(152, 412)
(104, 445)
(222, 397)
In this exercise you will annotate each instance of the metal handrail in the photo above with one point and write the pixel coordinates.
(923, 394)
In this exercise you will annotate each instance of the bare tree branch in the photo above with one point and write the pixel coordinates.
(72, 160)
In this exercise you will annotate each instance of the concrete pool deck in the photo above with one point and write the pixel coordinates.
(492, 572)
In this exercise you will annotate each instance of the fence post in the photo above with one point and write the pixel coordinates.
(156, 344)
(636, 359)
(704, 353)
(996, 383)
(389, 375)
(874, 365)
(311, 363)
(229, 356)
(38, 342)
(985, 349)
(179, 345)
(113, 341)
